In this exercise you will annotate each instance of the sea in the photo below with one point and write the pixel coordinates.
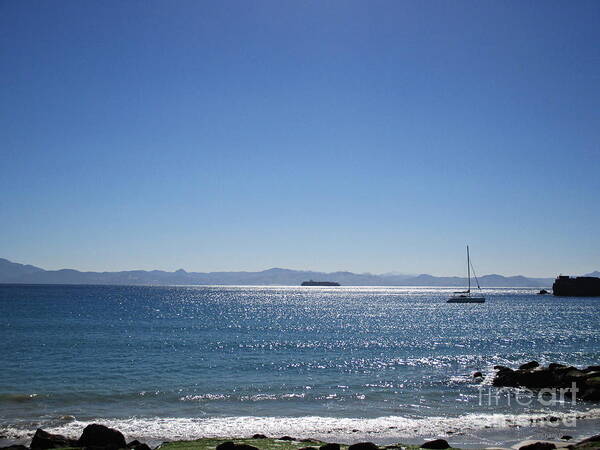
(342, 364)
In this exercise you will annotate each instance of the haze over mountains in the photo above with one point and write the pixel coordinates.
(20, 273)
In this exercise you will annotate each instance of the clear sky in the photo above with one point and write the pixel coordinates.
(329, 135)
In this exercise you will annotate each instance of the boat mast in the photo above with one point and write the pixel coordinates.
(469, 268)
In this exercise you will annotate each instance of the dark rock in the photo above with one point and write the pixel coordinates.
(331, 446)
(530, 365)
(560, 373)
(574, 375)
(477, 375)
(259, 436)
(286, 438)
(588, 382)
(308, 448)
(244, 447)
(363, 446)
(554, 376)
(543, 292)
(537, 378)
(43, 440)
(592, 381)
(589, 440)
(538, 446)
(436, 444)
(96, 435)
(590, 394)
(142, 446)
(137, 445)
(501, 368)
(228, 445)
(505, 377)
(566, 437)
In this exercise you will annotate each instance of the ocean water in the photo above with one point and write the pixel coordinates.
(350, 363)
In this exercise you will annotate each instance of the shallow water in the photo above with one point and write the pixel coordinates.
(369, 362)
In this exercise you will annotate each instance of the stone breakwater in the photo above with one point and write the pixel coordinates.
(585, 383)
(100, 437)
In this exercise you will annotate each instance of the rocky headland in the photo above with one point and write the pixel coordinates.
(555, 376)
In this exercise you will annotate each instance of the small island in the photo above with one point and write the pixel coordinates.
(566, 286)
(319, 283)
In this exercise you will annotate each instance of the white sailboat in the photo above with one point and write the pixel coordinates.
(466, 296)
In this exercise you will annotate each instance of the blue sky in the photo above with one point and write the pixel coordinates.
(342, 135)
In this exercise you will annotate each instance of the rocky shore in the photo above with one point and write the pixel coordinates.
(100, 437)
(555, 376)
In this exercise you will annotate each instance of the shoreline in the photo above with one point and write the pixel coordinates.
(511, 437)
(302, 443)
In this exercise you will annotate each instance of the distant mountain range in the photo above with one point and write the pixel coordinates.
(20, 273)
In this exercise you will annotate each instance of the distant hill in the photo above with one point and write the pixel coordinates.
(8, 269)
(11, 272)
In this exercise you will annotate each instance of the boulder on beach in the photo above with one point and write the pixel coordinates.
(229, 445)
(259, 436)
(43, 440)
(539, 446)
(436, 444)
(363, 446)
(331, 446)
(96, 435)
(477, 375)
(137, 445)
(244, 447)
